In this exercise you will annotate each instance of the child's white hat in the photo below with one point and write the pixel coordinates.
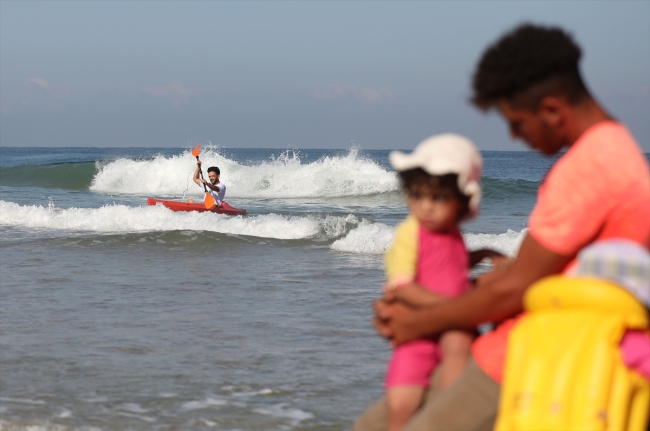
(446, 154)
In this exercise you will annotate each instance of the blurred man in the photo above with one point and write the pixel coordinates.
(598, 189)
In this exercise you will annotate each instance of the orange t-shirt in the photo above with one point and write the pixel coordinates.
(599, 189)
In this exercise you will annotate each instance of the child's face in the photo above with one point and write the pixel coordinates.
(436, 211)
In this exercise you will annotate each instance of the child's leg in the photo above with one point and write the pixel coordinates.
(401, 403)
(407, 378)
(455, 346)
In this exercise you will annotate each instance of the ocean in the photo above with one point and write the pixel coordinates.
(115, 315)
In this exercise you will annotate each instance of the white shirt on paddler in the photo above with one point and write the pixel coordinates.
(218, 196)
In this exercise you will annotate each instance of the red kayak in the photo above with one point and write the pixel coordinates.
(196, 206)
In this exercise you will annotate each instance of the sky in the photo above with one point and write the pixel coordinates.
(295, 74)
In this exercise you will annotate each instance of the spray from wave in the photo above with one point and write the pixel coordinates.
(111, 219)
(284, 176)
(368, 238)
(348, 233)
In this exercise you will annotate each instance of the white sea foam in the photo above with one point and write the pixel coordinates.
(205, 423)
(366, 239)
(507, 243)
(149, 419)
(125, 219)
(283, 411)
(94, 398)
(40, 425)
(132, 408)
(22, 401)
(376, 239)
(202, 404)
(352, 235)
(284, 176)
(250, 394)
(64, 414)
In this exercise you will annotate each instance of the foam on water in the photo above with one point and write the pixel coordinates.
(507, 243)
(41, 425)
(124, 219)
(22, 401)
(284, 176)
(351, 234)
(202, 404)
(64, 414)
(376, 238)
(281, 410)
(366, 239)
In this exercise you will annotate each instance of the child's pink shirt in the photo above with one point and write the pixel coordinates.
(442, 267)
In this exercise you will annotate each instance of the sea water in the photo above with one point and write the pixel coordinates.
(115, 315)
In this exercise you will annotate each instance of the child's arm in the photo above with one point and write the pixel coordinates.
(401, 258)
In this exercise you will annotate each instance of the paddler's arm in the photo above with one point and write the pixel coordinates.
(215, 187)
(499, 296)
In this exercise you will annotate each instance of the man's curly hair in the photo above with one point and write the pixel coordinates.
(526, 65)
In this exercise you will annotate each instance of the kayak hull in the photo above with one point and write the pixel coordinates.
(225, 208)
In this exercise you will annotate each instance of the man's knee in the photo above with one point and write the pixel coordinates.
(375, 418)
(469, 404)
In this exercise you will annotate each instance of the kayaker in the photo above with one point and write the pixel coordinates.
(216, 188)
(598, 189)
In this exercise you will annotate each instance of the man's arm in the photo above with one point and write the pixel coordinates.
(215, 187)
(494, 300)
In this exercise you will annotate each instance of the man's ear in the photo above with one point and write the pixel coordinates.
(552, 111)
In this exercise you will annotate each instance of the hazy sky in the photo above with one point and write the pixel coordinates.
(298, 74)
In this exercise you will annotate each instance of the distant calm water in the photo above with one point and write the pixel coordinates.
(115, 315)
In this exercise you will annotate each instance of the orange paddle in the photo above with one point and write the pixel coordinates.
(209, 200)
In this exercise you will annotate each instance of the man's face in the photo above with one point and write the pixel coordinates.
(212, 176)
(533, 127)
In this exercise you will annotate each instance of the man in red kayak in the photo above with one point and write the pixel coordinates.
(216, 188)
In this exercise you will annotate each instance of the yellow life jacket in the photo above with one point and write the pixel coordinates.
(564, 369)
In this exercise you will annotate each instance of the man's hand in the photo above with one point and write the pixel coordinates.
(398, 321)
(499, 295)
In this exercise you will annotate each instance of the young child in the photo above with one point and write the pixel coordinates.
(626, 264)
(441, 178)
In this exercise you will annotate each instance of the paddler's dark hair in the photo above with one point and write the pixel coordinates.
(214, 169)
(526, 65)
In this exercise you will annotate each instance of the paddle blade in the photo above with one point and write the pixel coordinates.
(195, 152)
(209, 201)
